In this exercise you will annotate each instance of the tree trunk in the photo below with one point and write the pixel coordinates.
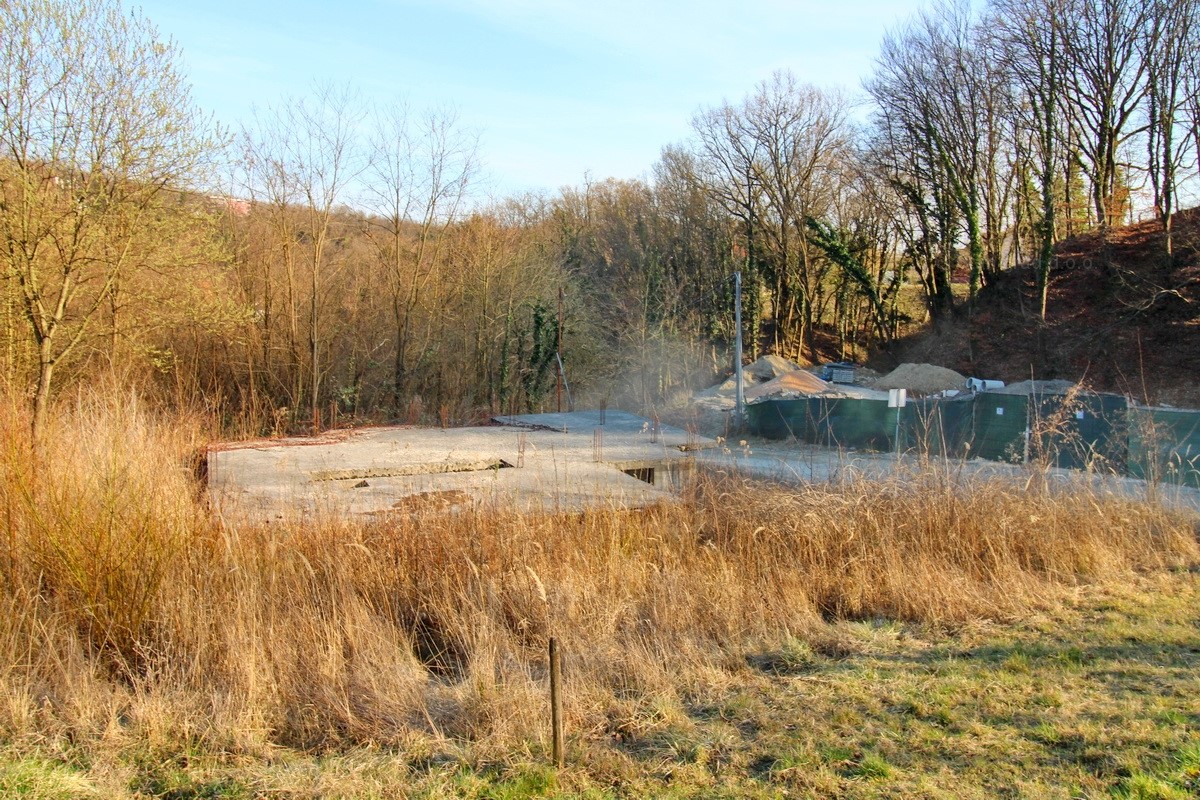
(41, 396)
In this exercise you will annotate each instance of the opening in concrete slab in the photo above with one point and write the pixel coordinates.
(404, 470)
(645, 474)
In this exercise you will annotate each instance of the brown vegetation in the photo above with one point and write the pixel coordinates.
(352, 276)
(131, 615)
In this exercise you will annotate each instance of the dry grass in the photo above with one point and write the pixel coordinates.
(129, 619)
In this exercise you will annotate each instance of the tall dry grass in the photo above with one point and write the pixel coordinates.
(128, 617)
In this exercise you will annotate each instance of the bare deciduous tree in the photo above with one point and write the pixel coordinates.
(420, 173)
(772, 161)
(939, 95)
(1028, 35)
(98, 133)
(1105, 79)
(301, 159)
(1169, 45)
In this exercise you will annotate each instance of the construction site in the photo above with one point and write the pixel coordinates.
(537, 462)
(856, 423)
(931, 410)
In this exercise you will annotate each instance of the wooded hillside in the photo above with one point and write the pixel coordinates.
(330, 258)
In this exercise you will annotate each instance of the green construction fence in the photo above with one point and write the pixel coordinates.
(1076, 431)
(1081, 431)
(1164, 445)
(934, 426)
(827, 421)
(998, 424)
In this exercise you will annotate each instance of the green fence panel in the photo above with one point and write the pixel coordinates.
(859, 424)
(998, 426)
(934, 426)
(827, 421)
(766, 419)
(1164, 445)
(783, 419)
(1081, 431)
(938, 426)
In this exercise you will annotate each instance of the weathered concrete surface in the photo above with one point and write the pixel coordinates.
(802, 464)
(533, 462)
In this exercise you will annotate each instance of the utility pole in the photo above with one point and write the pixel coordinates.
(558, 385)
(740, 403)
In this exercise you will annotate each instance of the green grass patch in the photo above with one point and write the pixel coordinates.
(40, 779)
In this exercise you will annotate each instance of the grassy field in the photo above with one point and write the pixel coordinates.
(921, 637)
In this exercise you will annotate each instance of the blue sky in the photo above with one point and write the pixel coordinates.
(556, 90)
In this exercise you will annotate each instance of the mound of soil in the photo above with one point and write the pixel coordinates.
(798, 382)
(769, 367)
(921, 379)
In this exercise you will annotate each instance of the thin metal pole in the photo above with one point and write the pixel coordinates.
(740, 404)
(899, 409)
(563, 382)
(558, 387)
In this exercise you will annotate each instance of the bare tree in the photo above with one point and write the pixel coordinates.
(1105, 79)
(803, 138)
(926, 215)
(1191, 92)
(98, 132)
(420, 173)
(270, 243)
(496, 265)
(1029, 39)
(938, 91)
(302, 157)
(699, 254)
(1169, 44)
(726, 158)
(772, 161)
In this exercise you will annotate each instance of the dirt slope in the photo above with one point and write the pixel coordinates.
(1122, 316)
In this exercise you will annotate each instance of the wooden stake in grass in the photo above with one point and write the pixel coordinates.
(556, 726)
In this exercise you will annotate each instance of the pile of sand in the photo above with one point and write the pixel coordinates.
(921, 379)
(796, 382)
(775, 376)
(765, 369)
(855, 392)
(769, 367)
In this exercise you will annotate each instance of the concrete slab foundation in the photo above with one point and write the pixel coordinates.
(535, 462)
